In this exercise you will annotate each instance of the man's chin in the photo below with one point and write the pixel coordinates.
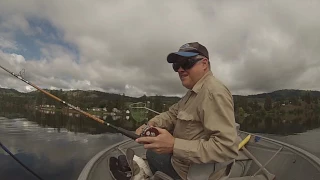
(185, 84)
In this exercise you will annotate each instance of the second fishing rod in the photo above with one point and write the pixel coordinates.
(148, 131)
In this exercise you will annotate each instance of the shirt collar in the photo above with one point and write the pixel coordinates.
(196, 88)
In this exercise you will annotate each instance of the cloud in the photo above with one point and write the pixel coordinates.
(6, 43)
(121, 46)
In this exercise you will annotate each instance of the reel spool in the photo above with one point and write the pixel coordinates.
(149, 131)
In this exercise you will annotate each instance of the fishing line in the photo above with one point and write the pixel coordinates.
(15, 158)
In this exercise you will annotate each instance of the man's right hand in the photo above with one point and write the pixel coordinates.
(140, 129)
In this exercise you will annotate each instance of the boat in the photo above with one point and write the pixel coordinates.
(260, 158)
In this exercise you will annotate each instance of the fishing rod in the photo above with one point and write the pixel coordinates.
(15, 158)
(146, 132)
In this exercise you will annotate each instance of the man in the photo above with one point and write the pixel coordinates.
(202, 123)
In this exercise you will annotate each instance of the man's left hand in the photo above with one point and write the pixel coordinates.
(162, 144)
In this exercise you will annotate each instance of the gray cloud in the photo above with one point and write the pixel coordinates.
(7, 42)
(255, 46)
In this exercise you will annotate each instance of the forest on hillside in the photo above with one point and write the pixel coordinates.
(284, 111)
(289, 114)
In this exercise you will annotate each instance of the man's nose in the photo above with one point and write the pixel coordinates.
(181, 69)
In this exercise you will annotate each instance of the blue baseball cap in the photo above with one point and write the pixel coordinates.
(188, 50)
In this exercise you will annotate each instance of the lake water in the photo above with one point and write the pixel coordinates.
(57, 146)
(53, 146)
(309, 140)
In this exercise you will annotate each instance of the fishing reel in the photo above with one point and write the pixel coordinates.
(149, 131)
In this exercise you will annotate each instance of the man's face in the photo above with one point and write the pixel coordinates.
(190, 76)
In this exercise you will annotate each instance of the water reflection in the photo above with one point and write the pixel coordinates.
(72, 121)
(55, 145)
(75, 122)
(278, 125)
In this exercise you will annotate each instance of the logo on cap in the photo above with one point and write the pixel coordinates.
(187, 47)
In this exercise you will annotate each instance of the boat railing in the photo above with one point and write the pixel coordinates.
(303, 153)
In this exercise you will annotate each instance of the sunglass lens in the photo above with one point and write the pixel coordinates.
(175, 66)
(185, 65)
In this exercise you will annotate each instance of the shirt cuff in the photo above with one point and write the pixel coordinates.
(157, 123)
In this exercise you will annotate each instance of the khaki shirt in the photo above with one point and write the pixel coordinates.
(203, 125)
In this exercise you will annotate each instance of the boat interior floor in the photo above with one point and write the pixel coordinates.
(237, 169)
(160, 176)
(258, 177)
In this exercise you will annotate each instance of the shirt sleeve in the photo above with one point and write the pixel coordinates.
(167, 119)
(218, 119)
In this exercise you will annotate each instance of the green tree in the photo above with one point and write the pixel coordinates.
(120, 102)
(268, 123)
(294, 100)
(315, 100)
(158, 105)
(39, 98)
(241, 112)
(268, 103)
(143, 98)
(308, 98)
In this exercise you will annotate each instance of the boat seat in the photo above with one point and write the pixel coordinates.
(258, 177)
(160, 176)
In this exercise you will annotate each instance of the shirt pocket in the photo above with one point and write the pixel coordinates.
(184, 116)
(189, 125)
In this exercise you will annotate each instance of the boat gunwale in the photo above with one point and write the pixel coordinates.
(314, 160)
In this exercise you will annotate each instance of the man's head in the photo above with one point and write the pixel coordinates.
(191, 62)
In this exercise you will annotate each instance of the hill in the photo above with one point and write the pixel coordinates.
(5, 91)
(97, 98)
(283, 111)
(286, 93)
(81, 98)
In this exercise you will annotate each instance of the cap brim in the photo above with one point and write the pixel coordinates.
(173, 57)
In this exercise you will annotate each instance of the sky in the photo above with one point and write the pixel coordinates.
(121, 46)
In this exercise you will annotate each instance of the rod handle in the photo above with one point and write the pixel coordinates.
(129, 134)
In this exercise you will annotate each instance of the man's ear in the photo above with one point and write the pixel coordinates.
(205, 62)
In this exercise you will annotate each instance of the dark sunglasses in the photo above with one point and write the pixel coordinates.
(185, 64)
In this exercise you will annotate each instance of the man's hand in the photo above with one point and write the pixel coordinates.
(162, 144)
(139, 129)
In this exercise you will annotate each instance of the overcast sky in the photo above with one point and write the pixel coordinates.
(121, 46)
